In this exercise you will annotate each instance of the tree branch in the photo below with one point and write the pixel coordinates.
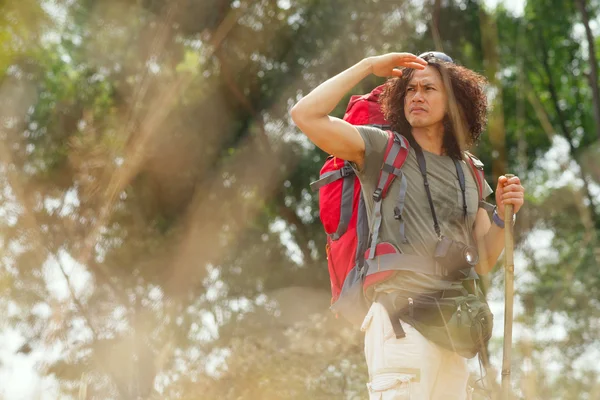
(302, 234)
(554, 94)
(593, 75)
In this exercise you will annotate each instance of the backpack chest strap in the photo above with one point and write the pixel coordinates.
(332, 176)
(413, 263)
(390, 169)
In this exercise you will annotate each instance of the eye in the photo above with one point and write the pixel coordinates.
(410, 89)
(430, 88)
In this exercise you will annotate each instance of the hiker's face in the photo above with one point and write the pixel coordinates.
(425, 101)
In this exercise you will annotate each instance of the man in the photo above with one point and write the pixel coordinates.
(441, 108)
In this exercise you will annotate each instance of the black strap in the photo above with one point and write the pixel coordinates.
(394, 312)
(461, 181)
(423, 168)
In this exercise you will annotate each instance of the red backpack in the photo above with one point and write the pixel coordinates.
(343, 213)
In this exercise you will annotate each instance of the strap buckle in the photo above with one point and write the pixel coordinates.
(346, 170)
(397, 213)
(377, 194)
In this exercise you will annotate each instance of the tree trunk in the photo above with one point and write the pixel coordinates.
(566, 132)
(593, 75)
(496, 128)
(435, 24)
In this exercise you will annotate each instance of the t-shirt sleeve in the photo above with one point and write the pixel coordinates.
(375, 143)
(487, 189)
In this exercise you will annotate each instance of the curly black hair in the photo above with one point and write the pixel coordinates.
(466, 112)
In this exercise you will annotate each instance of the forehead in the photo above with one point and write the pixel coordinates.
(428, 75)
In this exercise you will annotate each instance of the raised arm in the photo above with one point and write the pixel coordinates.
(333, 135)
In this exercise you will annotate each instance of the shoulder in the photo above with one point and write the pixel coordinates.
(371, 131)
(476, 165)
(375, 139)
(474, 161)
(375, 135)
(376, 142)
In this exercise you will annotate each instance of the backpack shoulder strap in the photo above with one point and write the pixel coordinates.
(394, 157)
(479, 175)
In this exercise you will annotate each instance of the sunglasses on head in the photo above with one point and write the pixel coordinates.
(428, 55)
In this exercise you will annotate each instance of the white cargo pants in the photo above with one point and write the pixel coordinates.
(411, 368)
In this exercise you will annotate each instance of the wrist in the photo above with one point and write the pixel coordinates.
(498, 220)
(498, 215)
(368, 64)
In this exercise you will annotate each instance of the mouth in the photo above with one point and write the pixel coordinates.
(417, 110)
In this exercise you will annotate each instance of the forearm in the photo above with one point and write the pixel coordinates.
(324, 98)
(332, 135)
(491, 243)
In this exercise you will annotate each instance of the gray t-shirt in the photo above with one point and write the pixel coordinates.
(419, 227)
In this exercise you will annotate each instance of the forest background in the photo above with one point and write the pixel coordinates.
(158, 236)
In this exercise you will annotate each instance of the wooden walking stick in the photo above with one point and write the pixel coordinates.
(509, 276)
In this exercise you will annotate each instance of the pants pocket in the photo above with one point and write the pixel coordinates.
(367, 321)
(391, 386)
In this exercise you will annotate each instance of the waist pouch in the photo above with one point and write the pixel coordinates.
(461, 322)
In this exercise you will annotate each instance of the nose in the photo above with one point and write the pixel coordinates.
(418, 96)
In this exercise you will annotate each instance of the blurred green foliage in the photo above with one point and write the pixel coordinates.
(158, 233)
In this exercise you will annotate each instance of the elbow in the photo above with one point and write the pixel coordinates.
(297, 113)
(307, 118)
(300, 116)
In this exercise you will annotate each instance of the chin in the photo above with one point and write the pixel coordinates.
(418, 123)
(424, 122)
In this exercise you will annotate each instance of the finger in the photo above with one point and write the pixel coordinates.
(513, 188)
(512, 193)
(413, 65)
(514, 180)
(406, 58)
(512, 196)
(412, 57)
(421, 61)
(397, 72)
